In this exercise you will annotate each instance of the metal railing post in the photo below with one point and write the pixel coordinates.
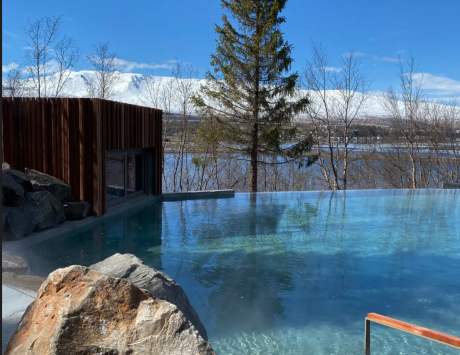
(367, 337)
(442, 338)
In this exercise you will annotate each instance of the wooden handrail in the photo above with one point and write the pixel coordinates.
(406, 327)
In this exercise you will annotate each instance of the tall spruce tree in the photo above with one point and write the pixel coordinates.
(249, 92)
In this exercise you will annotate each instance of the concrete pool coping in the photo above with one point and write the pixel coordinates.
(132, 206)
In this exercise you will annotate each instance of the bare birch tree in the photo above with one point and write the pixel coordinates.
(167, 97)
(155, 93)
(339, 100)
(151, 93)
(42, 34)
(106, 67)
(184, 89)
(65, 56)
(405, 110)
(49, 59)
(13, 84)
(441, 154)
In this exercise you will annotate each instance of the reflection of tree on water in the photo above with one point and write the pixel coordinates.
(300, 260)
(243, 264)
(297, 259)
(254, 259)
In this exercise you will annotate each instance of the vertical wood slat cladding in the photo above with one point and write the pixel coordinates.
(68, 138)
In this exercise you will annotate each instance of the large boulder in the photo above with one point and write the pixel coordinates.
(158, 284)
(45, 182)
(45, 209)
(14, 263)
(13, 193)
(5, 211)
(76, 210)
(21, 179)
(19, 223)
(80, 311)
(38, 211)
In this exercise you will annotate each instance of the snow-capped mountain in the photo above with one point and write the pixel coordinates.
(134, 88)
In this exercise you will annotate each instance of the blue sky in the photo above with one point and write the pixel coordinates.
(149, 34)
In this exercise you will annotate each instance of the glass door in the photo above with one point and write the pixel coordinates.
(115, 177)
(125, 175)
(134, 173)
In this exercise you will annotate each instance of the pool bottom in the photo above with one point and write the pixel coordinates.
(295, 273)
(328, 340)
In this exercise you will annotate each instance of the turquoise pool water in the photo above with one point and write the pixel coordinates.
(295, 273)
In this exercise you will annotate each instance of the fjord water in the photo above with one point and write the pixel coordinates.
(295, 272)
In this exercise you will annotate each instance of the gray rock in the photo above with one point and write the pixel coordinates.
(5, 166)
(44, 208)
(5, 211)
(20, 178)
(38, 211)
(19, 223)
(14, 263)
(45, 182)
(12, 191)
(76, 210)
(80, 311)
(158, 284)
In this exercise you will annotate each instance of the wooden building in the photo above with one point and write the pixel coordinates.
(106, 151)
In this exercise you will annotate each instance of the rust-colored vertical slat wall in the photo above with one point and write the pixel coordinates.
(33, 130)
(68, 138)
(73, 144)
(42, 117)
(26, 125)
(87, 156)
(38, 135)
(158, 155)
(106, 111)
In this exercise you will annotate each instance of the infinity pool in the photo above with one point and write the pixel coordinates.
(295, 273)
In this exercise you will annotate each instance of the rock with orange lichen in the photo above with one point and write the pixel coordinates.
(156, 283)
(80, 311)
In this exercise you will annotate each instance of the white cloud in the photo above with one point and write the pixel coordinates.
(8, 67)
(128, 66)
(51, 67)
(334, 69)
(356, 54)
(5, 44)
(388, 59)
(373, 56)
(27, 48)
(9, 33)
(433, 82)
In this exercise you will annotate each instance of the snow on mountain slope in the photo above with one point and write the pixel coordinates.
(131, 87)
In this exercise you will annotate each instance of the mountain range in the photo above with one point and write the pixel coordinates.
(133, 88)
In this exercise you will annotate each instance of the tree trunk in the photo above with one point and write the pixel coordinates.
(255, 136)
(345, 156)
(255, 132)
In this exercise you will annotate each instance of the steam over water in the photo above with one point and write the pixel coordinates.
(295, 273)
